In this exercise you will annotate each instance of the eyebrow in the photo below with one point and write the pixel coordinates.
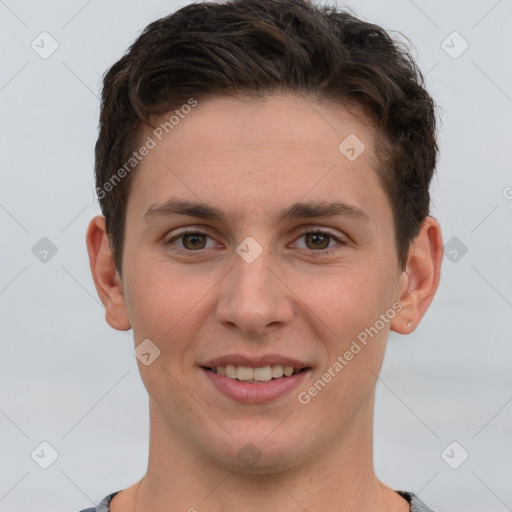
(175, 206)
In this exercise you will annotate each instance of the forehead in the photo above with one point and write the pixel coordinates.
(240, 155)
(298, 122)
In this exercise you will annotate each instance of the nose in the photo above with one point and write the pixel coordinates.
(254, 297)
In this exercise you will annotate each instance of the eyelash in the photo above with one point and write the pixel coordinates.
(321, 252)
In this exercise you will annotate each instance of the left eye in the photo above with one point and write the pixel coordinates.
(320, 240)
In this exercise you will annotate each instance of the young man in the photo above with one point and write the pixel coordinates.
(263, 169)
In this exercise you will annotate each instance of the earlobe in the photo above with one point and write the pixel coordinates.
(420, 279)
(106, 279)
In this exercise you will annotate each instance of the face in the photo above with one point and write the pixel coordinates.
(259, 283)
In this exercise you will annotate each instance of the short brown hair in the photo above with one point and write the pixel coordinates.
(254, 48)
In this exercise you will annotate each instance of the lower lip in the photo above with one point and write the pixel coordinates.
(258, 392)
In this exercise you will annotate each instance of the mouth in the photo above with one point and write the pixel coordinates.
(255, 384)
(255, 378)
(257, 374)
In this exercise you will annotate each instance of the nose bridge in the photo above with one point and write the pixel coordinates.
(252, 297)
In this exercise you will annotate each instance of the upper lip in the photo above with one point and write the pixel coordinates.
(255, 361)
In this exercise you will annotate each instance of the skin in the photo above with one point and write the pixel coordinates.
(251, 159)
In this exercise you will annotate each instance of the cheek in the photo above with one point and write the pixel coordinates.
(354, 337)
(349, 305)
(162, 313)
(349, 299)
(156, 302)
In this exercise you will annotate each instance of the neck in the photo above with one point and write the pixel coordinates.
(339, 478)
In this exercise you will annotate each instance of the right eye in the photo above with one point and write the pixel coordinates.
(193, 240)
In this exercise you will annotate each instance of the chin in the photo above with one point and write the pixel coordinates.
(258, 456)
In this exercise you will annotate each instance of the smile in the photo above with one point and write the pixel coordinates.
(255, 374)
(248, 388)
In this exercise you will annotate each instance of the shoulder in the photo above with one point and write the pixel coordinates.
(416, 504)
(103, 505)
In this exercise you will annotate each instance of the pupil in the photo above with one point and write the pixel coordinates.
(193, 236)
(315, 236)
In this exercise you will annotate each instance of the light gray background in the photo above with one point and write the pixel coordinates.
(68, 379)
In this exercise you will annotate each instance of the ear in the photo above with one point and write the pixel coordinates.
(106, 278)
(420, 279)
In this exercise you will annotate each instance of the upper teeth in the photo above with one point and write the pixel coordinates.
(262, 374)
